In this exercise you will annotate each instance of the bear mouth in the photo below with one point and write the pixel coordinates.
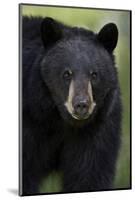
(80, 118)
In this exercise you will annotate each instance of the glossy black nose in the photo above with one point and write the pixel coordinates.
(81, 108)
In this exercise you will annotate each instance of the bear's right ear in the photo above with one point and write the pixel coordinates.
(51, 31)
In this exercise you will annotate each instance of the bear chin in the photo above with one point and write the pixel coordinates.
(72, 120)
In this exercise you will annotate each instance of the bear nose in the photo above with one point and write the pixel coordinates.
(81, 108)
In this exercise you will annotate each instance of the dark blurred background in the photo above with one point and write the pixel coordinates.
(94, 19)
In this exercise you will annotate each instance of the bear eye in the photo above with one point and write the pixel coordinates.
(67, 74)
(93, 75)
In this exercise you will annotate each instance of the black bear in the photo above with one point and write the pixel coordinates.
(71, 105)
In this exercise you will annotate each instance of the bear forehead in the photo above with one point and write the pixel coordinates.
(77, 44)
(78, 50)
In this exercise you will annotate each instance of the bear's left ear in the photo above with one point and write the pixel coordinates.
(51, 31)
(108, 36)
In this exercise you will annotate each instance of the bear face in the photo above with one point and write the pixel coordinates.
(81, 62)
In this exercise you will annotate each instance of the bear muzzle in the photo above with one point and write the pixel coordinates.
(80, 105)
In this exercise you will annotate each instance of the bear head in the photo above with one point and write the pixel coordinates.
(78, 68)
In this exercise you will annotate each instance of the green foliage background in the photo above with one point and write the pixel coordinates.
(94, 19)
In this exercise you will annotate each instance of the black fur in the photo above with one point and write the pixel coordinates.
(85, 152)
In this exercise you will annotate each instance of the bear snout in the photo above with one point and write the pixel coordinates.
(81, 107)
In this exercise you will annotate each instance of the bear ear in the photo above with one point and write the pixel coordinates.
(51, 31)
(108, 36)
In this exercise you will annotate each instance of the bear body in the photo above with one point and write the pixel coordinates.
(71, 105)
